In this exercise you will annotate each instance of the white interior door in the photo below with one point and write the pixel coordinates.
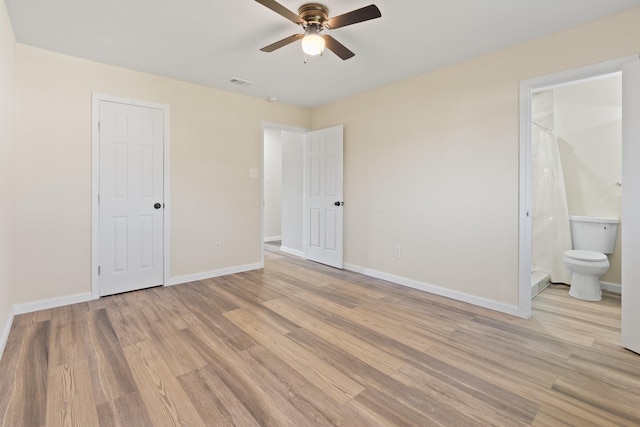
(131, 210)
(323, 203)
(631, 205)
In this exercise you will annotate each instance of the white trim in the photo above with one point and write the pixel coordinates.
(437, 290)
(272, 239)
(615, 288)
(213, 273)
(293, 252)
(524, 197)
(95, 184)
(527, 87)
(5, 331)
(44, 304)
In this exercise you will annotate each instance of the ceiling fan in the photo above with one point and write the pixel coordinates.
(313, 18)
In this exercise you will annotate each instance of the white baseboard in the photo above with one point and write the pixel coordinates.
(43, 304)
(5, 331)
(437, 290)
(213, 273)
(272, 239)
(293, 252)
(611, 287)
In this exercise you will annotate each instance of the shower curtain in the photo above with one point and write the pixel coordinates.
(551, 235)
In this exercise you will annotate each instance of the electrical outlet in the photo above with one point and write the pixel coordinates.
(254, 173)
(396, 252)
(218, 246)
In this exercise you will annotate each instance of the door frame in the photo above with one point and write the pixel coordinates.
(263, 126)
(96, 98)
(527, 87)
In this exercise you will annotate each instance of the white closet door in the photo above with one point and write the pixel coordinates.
(131, 197)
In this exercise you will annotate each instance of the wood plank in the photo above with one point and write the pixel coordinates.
(214, 401)
(110, 373)
(616, 400)
(70, 396)
(481, 408)
(337, 385)
(161, 392)
(9, 366)
(28, 402)
(178, 355)
(68, 337)
(125, 411)
(357, 348)
(126, 321)
(240, 378)
(302, 344)
(395, 397)
(303, 395)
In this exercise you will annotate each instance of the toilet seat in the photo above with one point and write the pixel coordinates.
(586, 256)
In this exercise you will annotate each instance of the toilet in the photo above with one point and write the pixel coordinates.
(591, 239)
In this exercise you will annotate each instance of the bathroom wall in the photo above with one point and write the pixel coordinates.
(588, 126)
(272, 184)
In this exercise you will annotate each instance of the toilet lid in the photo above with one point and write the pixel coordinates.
(581, 255)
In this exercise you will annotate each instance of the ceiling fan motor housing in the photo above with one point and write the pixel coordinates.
(313, 18)
(314, 13)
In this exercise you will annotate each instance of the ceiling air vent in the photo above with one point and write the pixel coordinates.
(240, 82)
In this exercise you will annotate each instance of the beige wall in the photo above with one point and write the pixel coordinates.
(7, 112)
(215, 140)
(588, 123)
(431, 163)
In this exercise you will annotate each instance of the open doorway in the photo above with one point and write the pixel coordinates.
(576, 156)
(282, 181)
(302, 185)
(527, 90)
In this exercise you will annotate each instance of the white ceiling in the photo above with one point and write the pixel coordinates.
(211, 41)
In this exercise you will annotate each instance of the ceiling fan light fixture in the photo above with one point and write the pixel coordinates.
(312, 42)
(314, 18)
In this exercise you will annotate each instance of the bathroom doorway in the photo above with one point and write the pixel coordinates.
(576, 156)
(630, 191)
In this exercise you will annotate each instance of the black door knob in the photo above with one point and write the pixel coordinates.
(339, 203)
(157, 206)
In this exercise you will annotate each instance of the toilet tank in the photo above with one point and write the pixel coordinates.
(591, 233)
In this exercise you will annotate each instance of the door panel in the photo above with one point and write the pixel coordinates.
(323, 222)
(631, 205)
(131, 182)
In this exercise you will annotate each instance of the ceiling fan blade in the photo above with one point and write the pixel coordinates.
(282, 43)
(338, 48)
(281, 10)
(359, 15)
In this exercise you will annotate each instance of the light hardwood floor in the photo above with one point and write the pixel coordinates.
(301, 344)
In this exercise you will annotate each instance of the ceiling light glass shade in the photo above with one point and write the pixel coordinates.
(312, 42)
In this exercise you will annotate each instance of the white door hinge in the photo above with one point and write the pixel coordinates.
(98, 270)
